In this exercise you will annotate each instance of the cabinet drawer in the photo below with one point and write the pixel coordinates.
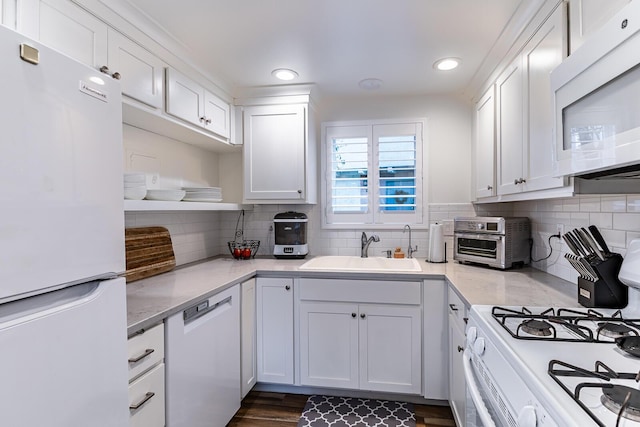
(361, 291)
(457, 309)
(146, 399)
(145, 350)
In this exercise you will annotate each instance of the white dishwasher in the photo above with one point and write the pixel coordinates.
(203, 362)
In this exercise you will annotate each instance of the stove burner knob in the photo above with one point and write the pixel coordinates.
(472, 334)
(478, 346)
(527, 417)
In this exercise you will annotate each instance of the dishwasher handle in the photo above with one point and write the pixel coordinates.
(198, 310)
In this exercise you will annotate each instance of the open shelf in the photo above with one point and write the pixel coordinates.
(155, 205)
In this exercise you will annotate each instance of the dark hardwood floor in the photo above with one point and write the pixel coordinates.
(265, 409)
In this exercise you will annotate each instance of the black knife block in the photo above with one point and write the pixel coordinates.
(607, 291)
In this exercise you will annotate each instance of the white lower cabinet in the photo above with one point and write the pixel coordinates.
(274, 313)
(361, 334)
(146, 378)
(249, 366)
(457, 384)
(146, 399)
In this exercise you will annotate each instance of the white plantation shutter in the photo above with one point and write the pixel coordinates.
(373, 173)
(398, 157)
(348, 160)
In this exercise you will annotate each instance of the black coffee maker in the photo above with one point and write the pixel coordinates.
(290, 235)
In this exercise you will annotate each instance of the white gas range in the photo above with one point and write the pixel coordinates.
(541, 367)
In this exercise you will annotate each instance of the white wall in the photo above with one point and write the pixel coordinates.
(178, 164)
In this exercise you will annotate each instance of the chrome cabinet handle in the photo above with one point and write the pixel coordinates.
(207, 121)
(466, 320)
(453, 307)
(144, 400)
(489, 187)
(146, 353)
(287, 287)
(203, 119)
(460, 349)
(353, 315)
(116, 75)
(362, 315)
(516, 182)
(104, 69)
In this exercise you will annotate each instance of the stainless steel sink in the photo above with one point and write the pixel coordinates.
(354, 263)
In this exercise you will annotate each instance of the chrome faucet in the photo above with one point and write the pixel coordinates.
(364, 247)
(410, 249)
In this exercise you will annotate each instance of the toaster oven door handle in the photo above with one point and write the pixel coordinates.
(474, 391)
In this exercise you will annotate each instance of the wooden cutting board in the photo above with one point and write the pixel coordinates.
(149, 251)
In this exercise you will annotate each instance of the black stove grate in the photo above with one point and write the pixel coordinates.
(568, 319)
(619, 399)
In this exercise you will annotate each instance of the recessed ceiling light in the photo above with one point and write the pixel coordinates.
(370, 84)
(446, 64)
(284, 74)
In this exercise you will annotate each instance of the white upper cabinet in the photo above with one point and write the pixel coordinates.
(485, 147)
(587, 16)
(524, 116)
(510, 128)
(541, 55)
(189, 101)
(279, 154)
(65, 27)
(140, 71)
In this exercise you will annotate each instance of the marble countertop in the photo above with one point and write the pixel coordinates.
(151, 300)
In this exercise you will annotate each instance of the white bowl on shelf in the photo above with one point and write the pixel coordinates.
(165, 195)
(135, 193)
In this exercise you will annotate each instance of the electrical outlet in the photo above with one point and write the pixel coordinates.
(560, 229)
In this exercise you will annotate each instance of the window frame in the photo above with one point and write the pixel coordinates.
(374, 218)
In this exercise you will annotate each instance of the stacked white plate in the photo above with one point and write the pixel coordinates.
(166, 195)
(135, 186)
(202, 194)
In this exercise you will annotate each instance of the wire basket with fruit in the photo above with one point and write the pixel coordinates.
(245, 249)
(241, 248)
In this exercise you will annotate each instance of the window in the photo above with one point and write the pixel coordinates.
(372, 173)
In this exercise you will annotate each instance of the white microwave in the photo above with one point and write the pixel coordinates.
(597, 99)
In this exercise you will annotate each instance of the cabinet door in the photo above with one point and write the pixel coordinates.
(541, 55)
(275, 330)
(390, 348)
(217, 113)
(457, 386)
(146, 399)
(185, 98)
(274, 152)
(510, 123)
(587, 16)
(485, 144)
(140, 71)
(65, 27)
(329, 345)
(248, 338)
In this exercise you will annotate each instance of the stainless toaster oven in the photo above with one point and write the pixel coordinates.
(494, 241)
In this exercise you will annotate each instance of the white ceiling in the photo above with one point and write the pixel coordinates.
(337, 43)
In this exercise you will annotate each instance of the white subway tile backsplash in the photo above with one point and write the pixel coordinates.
(626, 221)
(589, 204)
(615, 203)
(601, 220)
(571, 204)
(633, 203)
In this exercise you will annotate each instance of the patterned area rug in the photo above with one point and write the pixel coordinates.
(329, 411)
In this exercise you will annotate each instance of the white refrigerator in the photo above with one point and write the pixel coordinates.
(63, 357)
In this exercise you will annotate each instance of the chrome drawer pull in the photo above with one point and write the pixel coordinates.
(144, 400)
(142, 356)
(453, 307)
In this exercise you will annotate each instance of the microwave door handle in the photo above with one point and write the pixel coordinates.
(474, 391)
